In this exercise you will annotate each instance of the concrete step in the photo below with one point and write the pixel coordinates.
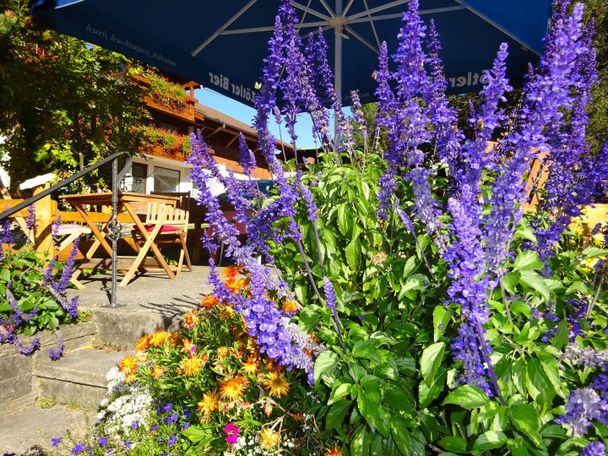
(79, 378)
(28, 431)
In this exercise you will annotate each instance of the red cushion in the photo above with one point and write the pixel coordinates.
(164, 228)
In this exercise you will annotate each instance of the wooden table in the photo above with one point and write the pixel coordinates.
(134, 204)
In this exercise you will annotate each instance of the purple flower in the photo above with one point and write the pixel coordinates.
(135, 424)
(56, 353)
(172, 418)
(172, 440)
(55, 441)
(78, 448)
(594, 449)
(582, 408)
(168, 407)
(30, 221)
(330, 293)
(103, 441)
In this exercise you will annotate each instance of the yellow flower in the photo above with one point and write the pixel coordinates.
(129, 364)
(188, 347)
(142, 343)
(159, 338)
(226, 312)
(290, 307)
(190, 320)
(269, 438)
(157, 372)
(130, 377)
(335, 451)
(190, 366)
(250, 366)
(223, 352)
(268, 407)
(209, 403)
(233, 388)
(277, 384)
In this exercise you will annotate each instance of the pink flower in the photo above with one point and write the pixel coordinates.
(232, 433)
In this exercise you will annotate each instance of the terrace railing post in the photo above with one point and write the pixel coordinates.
(114, 227)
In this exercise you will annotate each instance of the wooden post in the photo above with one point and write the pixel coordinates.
(44, 221)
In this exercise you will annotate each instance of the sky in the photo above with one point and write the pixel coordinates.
(246, 113)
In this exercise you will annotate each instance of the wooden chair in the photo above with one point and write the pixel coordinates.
(164, 225)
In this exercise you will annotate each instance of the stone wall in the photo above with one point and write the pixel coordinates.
(16, 369)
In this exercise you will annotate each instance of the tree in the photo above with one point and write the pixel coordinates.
(64, 103)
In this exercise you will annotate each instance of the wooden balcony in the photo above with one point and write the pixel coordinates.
(183, 110)
(157, 150)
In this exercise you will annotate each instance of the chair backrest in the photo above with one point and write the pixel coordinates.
(167, 215)
(184, 198)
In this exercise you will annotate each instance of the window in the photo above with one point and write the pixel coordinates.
(166, 180)
(139, 177)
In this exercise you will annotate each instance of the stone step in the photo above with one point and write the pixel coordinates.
(79, 378)
(28, 431)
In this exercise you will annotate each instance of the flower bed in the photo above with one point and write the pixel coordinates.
(407, 304)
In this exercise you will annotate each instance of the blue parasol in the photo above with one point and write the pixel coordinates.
(221, 44)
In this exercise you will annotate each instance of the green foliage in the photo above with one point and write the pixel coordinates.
(389, 384)
(166, 92)
(23, 272)
(63, 103)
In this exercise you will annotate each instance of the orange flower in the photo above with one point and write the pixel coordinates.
(157, 372)
(233, 388)
(209, 403)
(250, 366)
(142, 343)
(129, 364)
(190, 366)
(335, 451)
(208, 302)
(290, 307)
(235, 285)
(190, 320)
(159, 338)
(231, 271)
(269, 438)
(277, 384)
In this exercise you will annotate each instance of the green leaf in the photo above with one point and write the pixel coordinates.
(453, 444)
(340, 391)
(431, 359)
(593, 252)
(551, 369)
(199, 434)
(353, 254)
(528, 259)
(510, 281)
(308, 318)
(344, 219)
(359, 443)
(441, 317)
(539, 385)
(401, 436)
(368, 403)
(365, 348)
(324, 363)
(490, 440)
(429, 394)
(336, 414)
(562, 336)
(525, 419)
(534, 280)
(468, 397)
(398, 397)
